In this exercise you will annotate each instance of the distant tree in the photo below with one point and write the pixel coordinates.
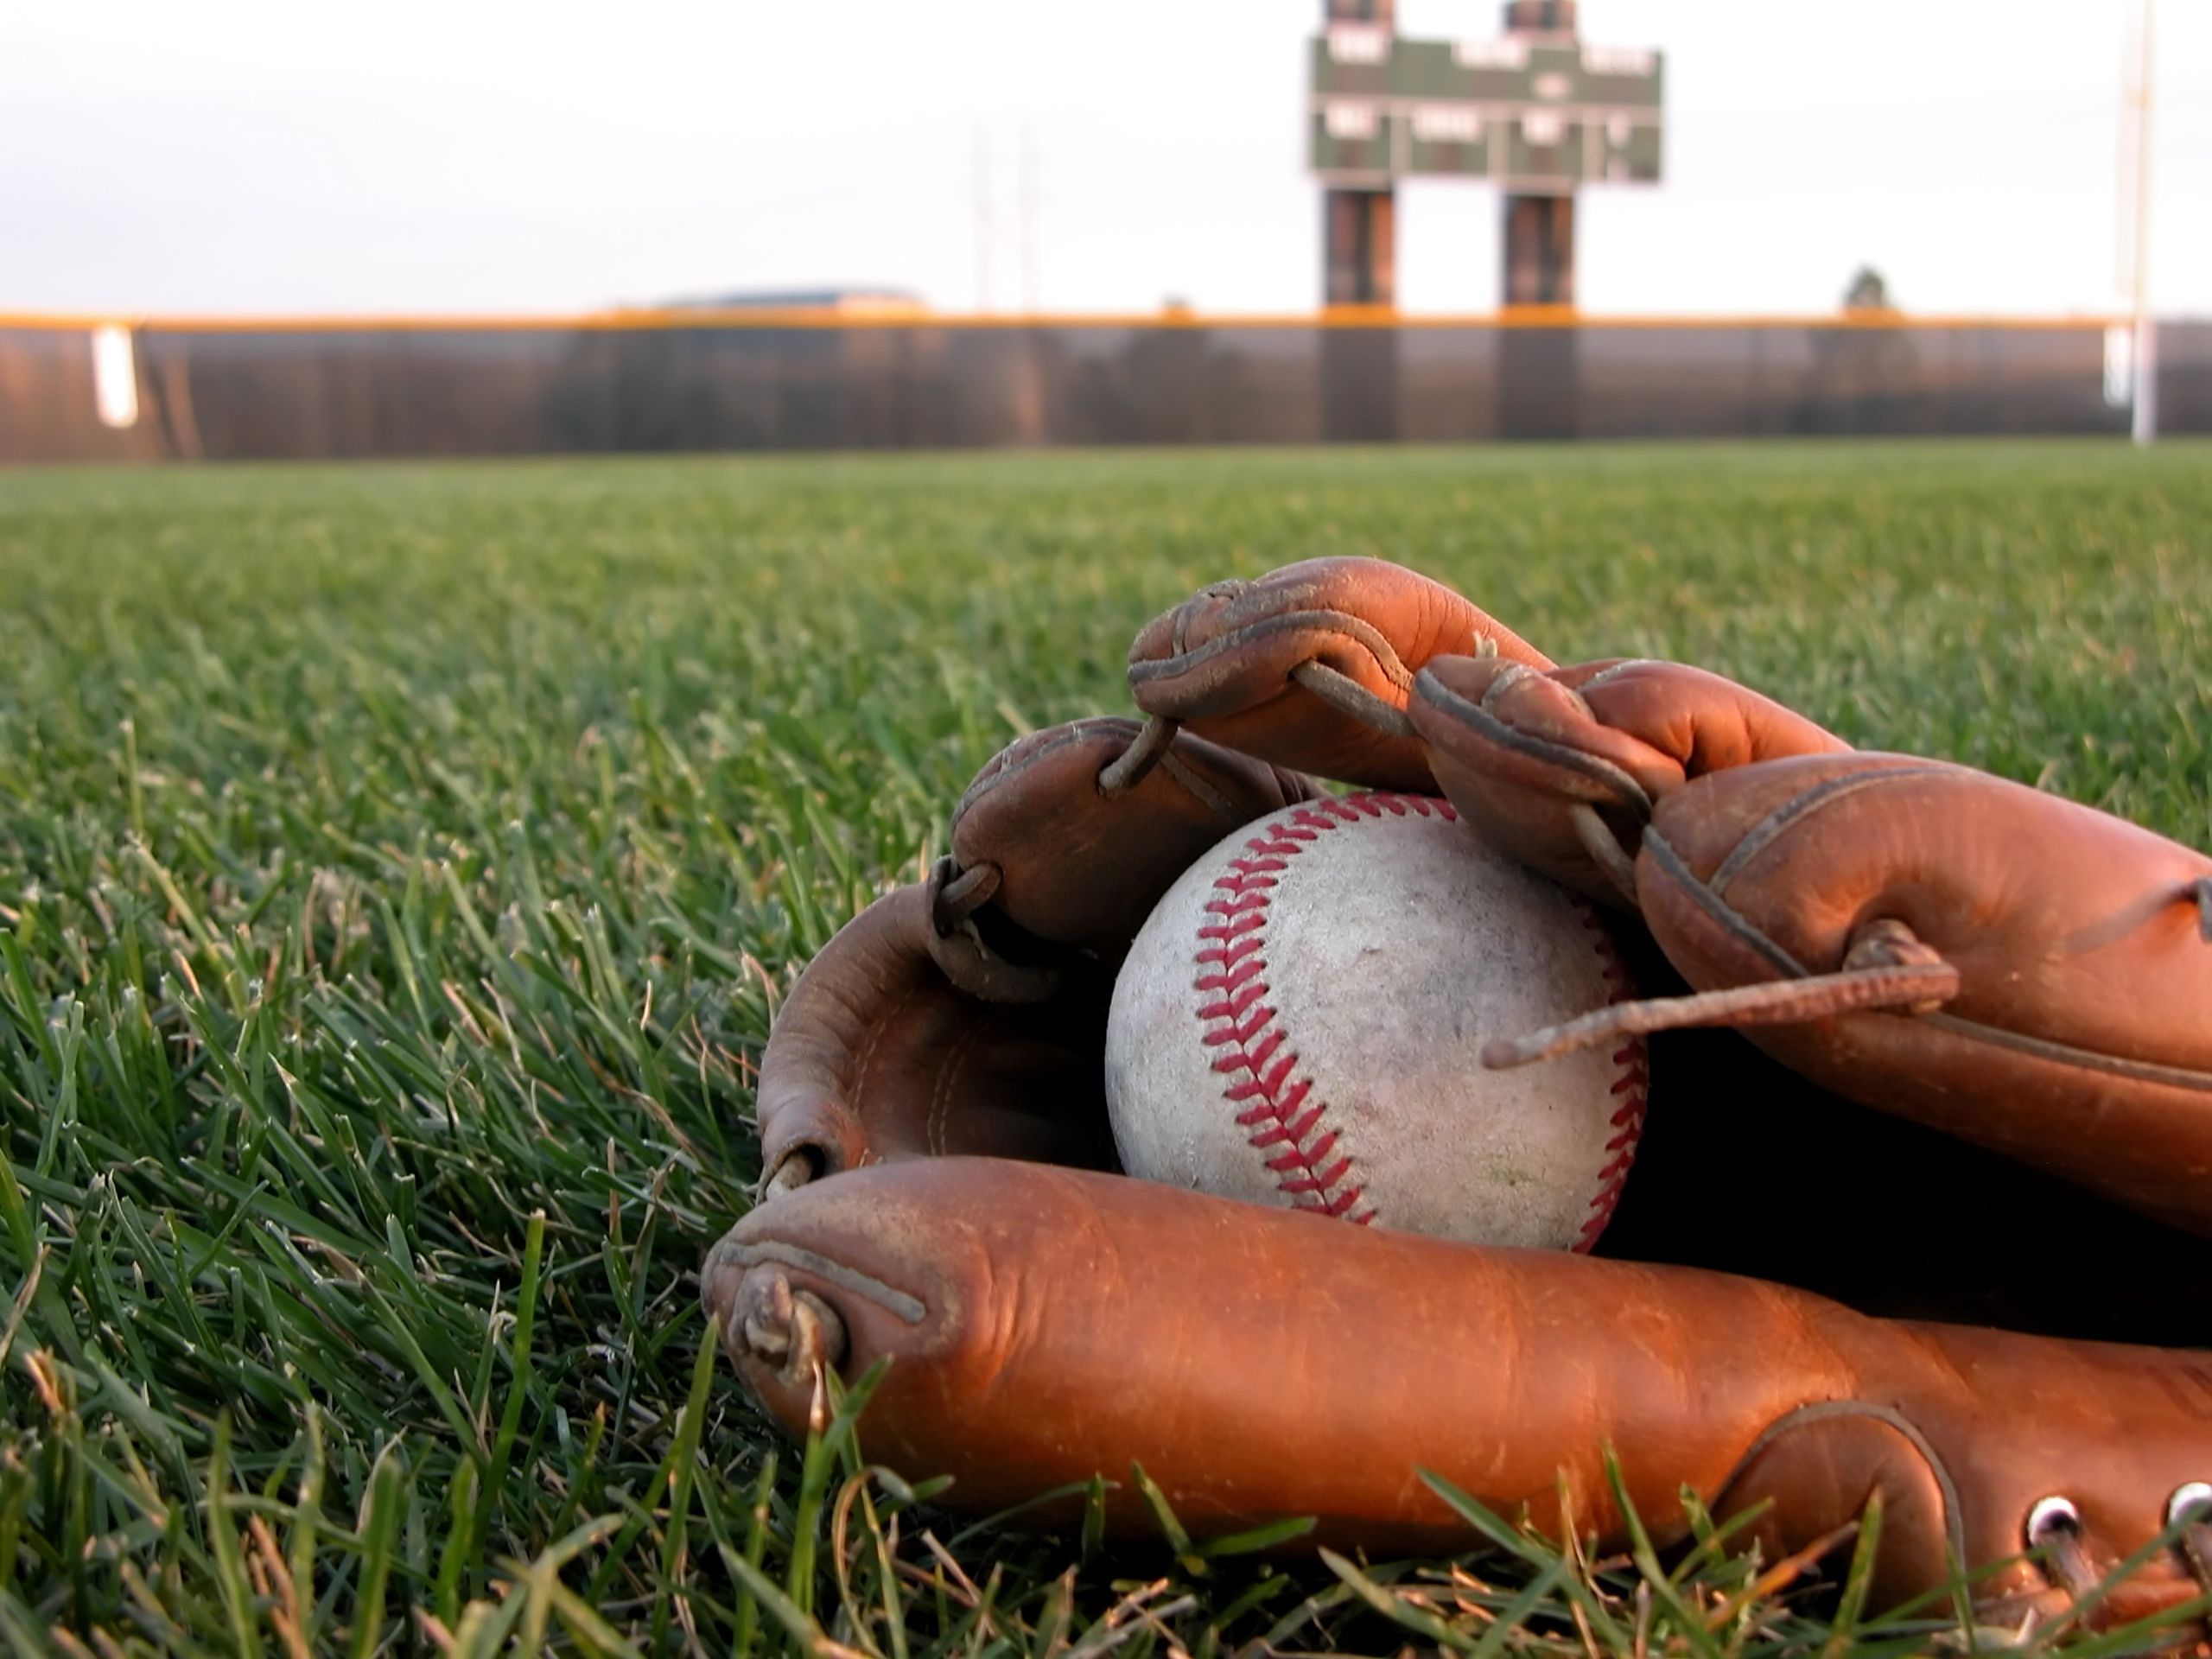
(1868, 291)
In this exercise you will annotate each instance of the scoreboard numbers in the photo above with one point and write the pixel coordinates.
(1538, 115)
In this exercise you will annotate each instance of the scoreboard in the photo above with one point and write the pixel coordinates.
(1540, 115)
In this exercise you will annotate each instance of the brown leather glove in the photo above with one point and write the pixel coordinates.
(1562, 768)
(968, 1015)
(1020, 1293)
(1993, 962)
(1999, 964)
(1046, 1324)
(1311, 666)
(2011, 967)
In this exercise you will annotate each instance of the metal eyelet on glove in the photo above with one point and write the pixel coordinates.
(2054, 1532)
(2190, 1509)
(2047, 1515)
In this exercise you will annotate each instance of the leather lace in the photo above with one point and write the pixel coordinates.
(1348, 697)
(957, 944)
(1147, 750)
(957, 894)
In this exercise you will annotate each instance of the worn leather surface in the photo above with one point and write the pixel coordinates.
(1257, 1371)
(917, 1034)
(1516, 748)
(876, 1054)
(1261, 1363)
(1083, 871)
(1223, 661)
(2080, 1039)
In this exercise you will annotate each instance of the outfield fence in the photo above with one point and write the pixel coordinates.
(222, 388)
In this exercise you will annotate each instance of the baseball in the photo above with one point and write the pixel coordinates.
(1298, 1025)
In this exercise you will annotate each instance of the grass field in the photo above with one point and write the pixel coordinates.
(399, 867)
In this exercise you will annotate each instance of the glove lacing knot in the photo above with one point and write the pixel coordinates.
(955, 897)
(956, 943)
(1145, 751)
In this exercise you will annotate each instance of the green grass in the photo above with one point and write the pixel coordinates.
(399, 867)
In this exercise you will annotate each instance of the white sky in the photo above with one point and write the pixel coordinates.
(474, 156)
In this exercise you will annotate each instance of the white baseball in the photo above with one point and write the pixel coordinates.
(1298, 1025)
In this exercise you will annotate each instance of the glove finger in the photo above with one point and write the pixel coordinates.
(1079, 864)
(1533, 773)
(1700, 721)
(2081, 947)
(1289, 1364)
(877, 1055)
(1562, 769)
(1240, 662)
(969, 1014)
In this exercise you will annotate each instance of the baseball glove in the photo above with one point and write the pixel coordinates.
(2025, 975)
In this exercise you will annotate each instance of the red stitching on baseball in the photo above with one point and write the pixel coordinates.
(1275, 1116)
(1631, 1087)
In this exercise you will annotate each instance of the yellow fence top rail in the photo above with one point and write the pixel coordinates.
(704, 318)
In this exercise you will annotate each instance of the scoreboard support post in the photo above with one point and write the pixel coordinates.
(1359, 241)
(1539, 251)
(1359, 226)
(1359, 267)
(1538, 368)
(1539, 230)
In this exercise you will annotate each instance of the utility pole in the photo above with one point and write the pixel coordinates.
(2144, 426)
(1032, 301)
(984, 237)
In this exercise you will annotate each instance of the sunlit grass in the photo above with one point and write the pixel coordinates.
(400, 867)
